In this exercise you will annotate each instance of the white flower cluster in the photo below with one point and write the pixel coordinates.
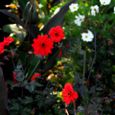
(94, 10)
(79, 18)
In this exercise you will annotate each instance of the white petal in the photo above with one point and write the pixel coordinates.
(79, 19)
(74, 7)
(84, 37)
(94, 10)
(77, 22)
(105, 2)
(40, 5)
(90, 34)
(88, 37)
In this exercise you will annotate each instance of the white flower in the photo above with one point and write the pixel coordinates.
(79, 19)
(94, 10)
(40, 5)
(74, 7)
(114, 10)
(88, 37)
(105, 2)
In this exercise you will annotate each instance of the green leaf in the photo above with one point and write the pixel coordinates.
(22, 3)
(12, 16)
(80, 113)
(58, 18)
(28, 100)
(17, 29)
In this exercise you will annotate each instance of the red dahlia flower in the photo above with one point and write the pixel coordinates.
(68, 93)
(35, 76)
(1, 47)
(8, 40)
(42, 45)
(56, 34)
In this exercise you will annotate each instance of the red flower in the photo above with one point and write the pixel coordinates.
(35, 76)
(1, 47)
(42, 45)
(68, 94)
(8, 40)
(56, 33)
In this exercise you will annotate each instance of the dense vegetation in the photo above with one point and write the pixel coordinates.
(57, 57)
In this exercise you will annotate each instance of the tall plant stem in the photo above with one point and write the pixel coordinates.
(74, 104)
(84, 65)
(34, 69)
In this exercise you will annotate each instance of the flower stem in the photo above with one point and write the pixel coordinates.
(94, 58)
(84, 65)
(66, 111)
(34, 69)
(74, 104)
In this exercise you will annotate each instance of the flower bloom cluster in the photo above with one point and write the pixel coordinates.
(43, 44)
(69, 94)
(6, 42)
